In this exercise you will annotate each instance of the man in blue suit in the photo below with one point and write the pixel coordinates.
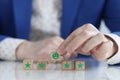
(15, 22)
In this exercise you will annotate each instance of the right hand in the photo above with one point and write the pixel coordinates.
(88, 40)
(38, 50)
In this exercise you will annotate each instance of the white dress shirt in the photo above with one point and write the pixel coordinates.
(45, 23)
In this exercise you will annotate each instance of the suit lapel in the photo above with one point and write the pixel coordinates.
(22, 17)
(69, 10)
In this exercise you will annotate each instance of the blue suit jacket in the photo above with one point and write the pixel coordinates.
(15, 16)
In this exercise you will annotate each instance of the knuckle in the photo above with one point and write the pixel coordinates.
(86, 33)
(101, 36)
(74, 33)
(88, 25)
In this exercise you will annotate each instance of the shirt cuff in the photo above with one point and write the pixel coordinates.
(8, 48)
(116, 58)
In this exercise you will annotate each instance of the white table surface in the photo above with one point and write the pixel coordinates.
(10, 70)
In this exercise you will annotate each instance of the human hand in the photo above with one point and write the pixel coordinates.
(38, 50)
(87, 40)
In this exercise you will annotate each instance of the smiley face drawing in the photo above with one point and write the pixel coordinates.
(55, 56)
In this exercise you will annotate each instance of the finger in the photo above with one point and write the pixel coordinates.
(66, 56)
(78, 50)
(93, 42)
(103, 51)
(62, 48)
(57, 40)
(74, 54)
(88, 27)
(79, 41)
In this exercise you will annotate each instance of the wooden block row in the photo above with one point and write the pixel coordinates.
(66, 65)
(28, 65)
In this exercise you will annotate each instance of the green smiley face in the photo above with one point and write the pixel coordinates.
(55, 55)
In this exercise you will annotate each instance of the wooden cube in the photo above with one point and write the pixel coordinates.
(79, 65)
(67, 65)
(55, 56)
(41, 65)
(27, 64)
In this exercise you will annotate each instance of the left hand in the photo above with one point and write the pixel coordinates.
(38, 50)
(87, 40)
